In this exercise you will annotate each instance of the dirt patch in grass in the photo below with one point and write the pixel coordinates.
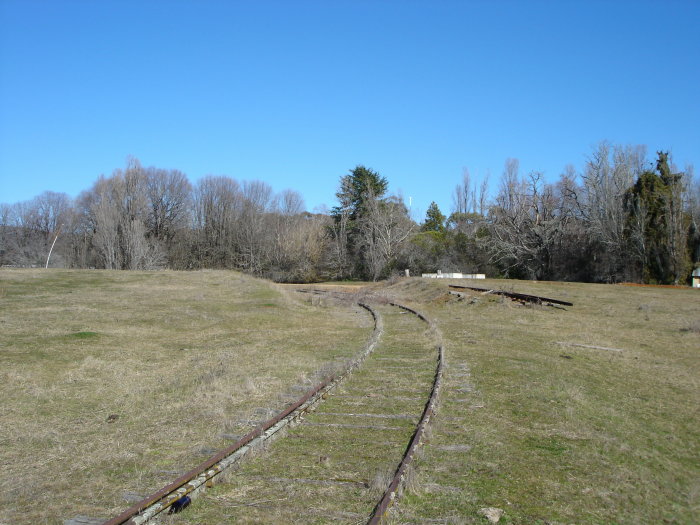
(114, 383)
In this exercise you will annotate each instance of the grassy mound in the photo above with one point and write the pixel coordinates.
(114, 383)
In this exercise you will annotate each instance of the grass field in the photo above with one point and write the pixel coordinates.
(553, 432)
(336, 466)
(114, 382)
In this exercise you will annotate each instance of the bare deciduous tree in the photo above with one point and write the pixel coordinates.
(464, 195)
(29, 229)
(526, 224)
(218, 205)
(609, 173)
(101, 214)
(254, 237)
(113, 216)
(466, 199)
(692, 205)
(384, 229)
(343, 226)
(169, 199)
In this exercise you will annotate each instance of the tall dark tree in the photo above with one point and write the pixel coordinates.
(368, 229)
(356, 189)
(434, 219)
(656, 227)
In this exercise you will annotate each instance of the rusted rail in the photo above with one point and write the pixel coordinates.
(393, 491)
(524, 298)
(203, 475)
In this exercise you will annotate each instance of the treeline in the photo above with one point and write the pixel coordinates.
(149, 218)
(621, 219)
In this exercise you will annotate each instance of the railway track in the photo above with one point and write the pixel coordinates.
(350, 459)
(519, 297)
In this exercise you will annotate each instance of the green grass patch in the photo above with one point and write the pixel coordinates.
(84, 335)
(553, 446)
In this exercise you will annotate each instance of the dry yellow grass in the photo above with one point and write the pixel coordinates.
(113, 383)
(583, 415)
(336, 466)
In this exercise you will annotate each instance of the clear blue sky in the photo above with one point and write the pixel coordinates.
(296, 93)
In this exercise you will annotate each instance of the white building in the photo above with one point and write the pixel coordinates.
(440, 275)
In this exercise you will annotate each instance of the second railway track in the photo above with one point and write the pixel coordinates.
(337, 466)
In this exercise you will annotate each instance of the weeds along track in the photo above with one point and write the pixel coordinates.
(339, 464)
(174, 495)
(403, 472)
(353, 451)
(349, 459)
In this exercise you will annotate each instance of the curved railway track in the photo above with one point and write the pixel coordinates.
(347, 463)
(397, 482)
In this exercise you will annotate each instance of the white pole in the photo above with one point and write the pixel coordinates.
(52, 245)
